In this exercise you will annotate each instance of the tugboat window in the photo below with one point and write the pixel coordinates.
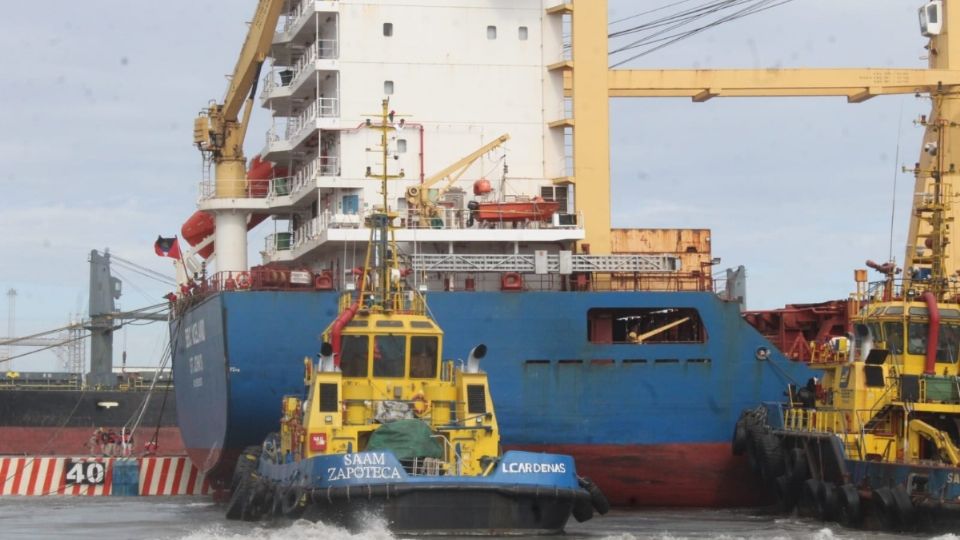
(917, 344)
(388, 356)
(353, 356)
(949, 343)
(645, 325)
(893, 337)
(423, 357)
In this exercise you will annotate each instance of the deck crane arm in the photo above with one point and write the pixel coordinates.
(219, 131)
(948, 451)
(418, 196)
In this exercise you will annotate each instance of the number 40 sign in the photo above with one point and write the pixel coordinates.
(85, 473)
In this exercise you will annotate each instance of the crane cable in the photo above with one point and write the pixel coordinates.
(664, 41)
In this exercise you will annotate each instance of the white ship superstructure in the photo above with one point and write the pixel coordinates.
(462, 75)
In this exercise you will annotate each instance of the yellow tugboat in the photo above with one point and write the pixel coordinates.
(386, 425)
(875, 442)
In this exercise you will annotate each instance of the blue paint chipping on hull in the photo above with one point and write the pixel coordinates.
(549, 383)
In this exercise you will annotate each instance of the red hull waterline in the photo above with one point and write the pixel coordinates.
(669, 475)
(73, 441)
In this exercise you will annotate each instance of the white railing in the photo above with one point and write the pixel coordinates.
(303, 9)
(293, 127)
(321, 49)
(321, 166)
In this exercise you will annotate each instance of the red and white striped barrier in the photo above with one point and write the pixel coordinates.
(171, 476)
(43, 476)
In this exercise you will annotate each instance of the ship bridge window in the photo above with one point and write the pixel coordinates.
(948, 346)
(522, 33)
(387, 29)
(948, 341)
(421, 324)
(491, 32)
(423, 357)
(388, 87)
(353, 356)
(390, 324)
(894, 310)
(893, 337)
(401, 146)
(917, 343)
(645, 325)
(388, 356)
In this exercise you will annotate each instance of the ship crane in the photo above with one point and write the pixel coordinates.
(418, 196)
(219, 133)
(590, 82)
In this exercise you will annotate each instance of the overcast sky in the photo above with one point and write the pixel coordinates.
(99, 99)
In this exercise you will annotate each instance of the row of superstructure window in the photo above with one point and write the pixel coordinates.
(522, 31)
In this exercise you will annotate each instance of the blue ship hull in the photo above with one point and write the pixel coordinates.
(650, 423)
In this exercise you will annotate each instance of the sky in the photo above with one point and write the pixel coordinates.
(99, 99)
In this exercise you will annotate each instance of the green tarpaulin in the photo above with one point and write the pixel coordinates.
(407, 439)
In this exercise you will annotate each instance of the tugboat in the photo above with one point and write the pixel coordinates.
(874, 442)
(387, 427)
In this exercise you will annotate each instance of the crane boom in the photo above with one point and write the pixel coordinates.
(419, 196)
(219, 131)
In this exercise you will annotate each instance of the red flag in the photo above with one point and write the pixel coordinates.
(167, 247)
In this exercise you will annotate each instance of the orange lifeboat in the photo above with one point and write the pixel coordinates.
(201, 225)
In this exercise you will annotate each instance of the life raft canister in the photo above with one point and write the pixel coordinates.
(323, 281)
(511, 281)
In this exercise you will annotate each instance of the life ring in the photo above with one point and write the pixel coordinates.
(420, 404)
(243, 280)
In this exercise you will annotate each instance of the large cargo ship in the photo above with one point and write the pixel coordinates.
(607, 344)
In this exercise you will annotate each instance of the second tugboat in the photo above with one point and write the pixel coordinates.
(387, 427)
(875, 442)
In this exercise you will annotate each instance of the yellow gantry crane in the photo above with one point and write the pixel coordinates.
(590, 83)
(418, 196)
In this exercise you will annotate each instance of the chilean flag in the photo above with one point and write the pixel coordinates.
(167, 247)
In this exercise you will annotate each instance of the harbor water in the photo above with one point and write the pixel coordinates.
(117, 518)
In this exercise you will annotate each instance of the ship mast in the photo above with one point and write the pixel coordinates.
(381, 250)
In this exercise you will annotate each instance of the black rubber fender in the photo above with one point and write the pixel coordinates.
(906, 516)
(785, 492)
(884, 506)
(597, 499)
(246, 464)
(848, 511)
(739, 440)
(809, 494)
(770, 455)
(827, 501)
(799, 467)
(291, 503)
(582, 510)
(238, 500)
(254, 507)
(753, 453)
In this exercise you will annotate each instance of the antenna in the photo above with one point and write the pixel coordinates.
(11, 326)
